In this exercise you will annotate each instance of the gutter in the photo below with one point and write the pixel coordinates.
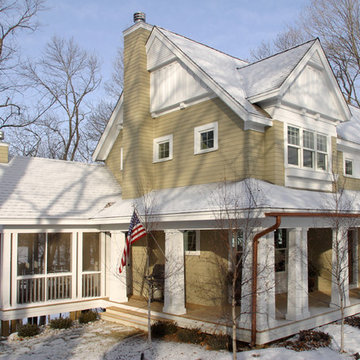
(278, 216)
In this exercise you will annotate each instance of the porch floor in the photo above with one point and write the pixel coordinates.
(319, 303)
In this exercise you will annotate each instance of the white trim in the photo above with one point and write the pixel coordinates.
(137, 25)
(111, 132)
(162, 140)
(197, 137)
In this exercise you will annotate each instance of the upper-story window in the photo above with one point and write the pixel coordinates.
(163, 148)
(206, 138)
(307, 149)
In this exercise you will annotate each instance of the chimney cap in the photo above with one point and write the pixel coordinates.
(139, 16)
(1, 135)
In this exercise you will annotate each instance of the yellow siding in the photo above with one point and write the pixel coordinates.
(240, 153)
(113, 159)
(320, 257)
(274, 169)
(138, 131)
(4, 154)
(206, 274)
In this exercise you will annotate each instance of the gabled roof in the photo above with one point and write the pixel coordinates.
(217, 70)
(270, 73)
(38, 190)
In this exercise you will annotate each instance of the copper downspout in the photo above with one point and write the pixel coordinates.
(255, 273)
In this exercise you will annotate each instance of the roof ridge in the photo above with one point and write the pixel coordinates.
(200, 43)
(279, 53)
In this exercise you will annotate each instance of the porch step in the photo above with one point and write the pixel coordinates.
(129, 317)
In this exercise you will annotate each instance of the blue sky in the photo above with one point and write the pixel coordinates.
(233, 26)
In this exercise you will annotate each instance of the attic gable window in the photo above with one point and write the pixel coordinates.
(307, 149)
(163, 148)
(206, 138)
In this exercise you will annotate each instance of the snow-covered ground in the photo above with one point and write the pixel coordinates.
(107, 341)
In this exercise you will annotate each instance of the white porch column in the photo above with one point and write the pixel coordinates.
(117, 289)
(297, 296)
(266, 283)
(340, 268)
(5, 282)
(174, 292)
(246, 283)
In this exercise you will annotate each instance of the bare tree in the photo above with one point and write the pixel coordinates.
(341, 221)
(101, 112)
(15, 17)
(238, 219)
(63, 78)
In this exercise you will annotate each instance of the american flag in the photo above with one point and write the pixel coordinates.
(136, 232)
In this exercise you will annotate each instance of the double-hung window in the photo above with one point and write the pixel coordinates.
(307, 149)
(206, 138)
(163, 148)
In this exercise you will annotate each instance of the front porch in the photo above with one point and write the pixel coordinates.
(291, 296)
(217, 319)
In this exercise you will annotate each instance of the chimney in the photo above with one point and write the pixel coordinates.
(4, 149)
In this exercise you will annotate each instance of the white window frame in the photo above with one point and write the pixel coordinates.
(156, 144)
(197, 251)
(197, 137)
(314, 150)
(352, 167)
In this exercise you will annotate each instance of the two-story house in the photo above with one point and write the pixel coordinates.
(195, 135)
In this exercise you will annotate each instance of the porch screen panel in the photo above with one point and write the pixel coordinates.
(59, 253)
(31, 254)
(91, 251)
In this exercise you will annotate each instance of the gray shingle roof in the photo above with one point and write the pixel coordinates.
(37, 188)
(238, 78)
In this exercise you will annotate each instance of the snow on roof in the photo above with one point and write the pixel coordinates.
(210, 198)
(269, 74)
(37, 188)
(238, 78)
(350, 130)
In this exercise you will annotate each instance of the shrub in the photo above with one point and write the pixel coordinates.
(308, 340)
(193, 336)
(161, 328)
(218, 342)
(61, 323)
(353, 321)
(28, 330)
(87, 316)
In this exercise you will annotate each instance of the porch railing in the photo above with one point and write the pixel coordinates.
(59, 287)
(30, 290)
(91, 284)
